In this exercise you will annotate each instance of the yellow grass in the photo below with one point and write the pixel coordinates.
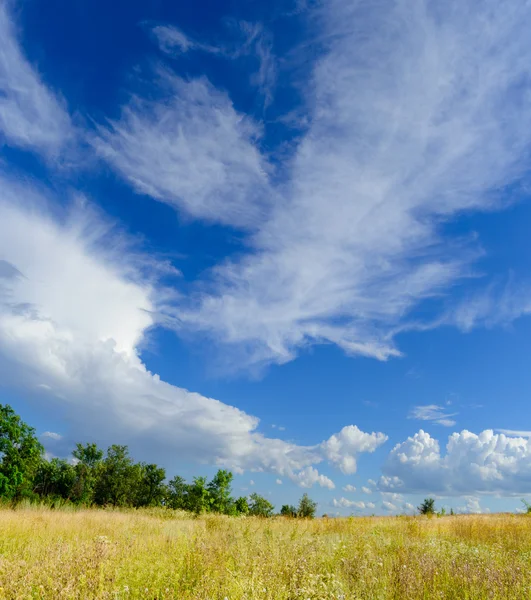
(156, 554)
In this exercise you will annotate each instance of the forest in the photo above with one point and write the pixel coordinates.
(92, 477)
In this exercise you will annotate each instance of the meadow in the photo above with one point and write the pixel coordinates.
(162, 554)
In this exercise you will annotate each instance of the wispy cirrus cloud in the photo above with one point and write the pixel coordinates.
(31, 116)
(191, 149)
(411, 124)
(433, 412)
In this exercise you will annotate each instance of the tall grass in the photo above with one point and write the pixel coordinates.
(158, 554)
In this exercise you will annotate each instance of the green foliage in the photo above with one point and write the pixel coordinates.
(220, 492)
(307, 507)
(288, 510)
(260, 506)
(427, 507)
(242, 506)
(527, 506)
(198, 496)
(151, 489)
(118, 478)
(21, 454)
(88, 459)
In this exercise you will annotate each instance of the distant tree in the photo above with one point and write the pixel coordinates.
(452, 512)
(21, 454)
(220, 492)
(177, 495)
(198, 497)
(88, 459)
(151, 489)
(427, 507)
(118, 478)
(288, 510)
(527, 506)
(242, 506)
(442, 512)
(307, 507)
(55, 479)
(260, 506)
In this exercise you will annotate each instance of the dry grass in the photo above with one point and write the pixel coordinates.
(118, 555)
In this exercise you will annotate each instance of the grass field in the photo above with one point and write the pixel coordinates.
(158, 554)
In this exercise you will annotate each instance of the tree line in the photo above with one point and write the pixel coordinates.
(112, 478)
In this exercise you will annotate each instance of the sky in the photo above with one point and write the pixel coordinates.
(287, 238)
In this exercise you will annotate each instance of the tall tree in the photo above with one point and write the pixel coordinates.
(20, 452)
(151, 489)
(117, 479)
(88, 459)
(307, 507)
(178, 493)
(198, 497)
(220, 492)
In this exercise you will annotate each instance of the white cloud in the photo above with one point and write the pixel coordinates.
(472, 506)
(191, 149)
(251, 482)
(309, 476)
(77, 302)
(172, 39)
(31, 116)
(341, 449)
(366, 490)
(410, 125)
(279, 482)
(515, 432)
(472, 464)
(349, 488)
(371, 482)
(433, 412)
(389, 506)
(345, 503)
(51, 435)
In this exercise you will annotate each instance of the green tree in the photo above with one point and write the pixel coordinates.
(260, 506)
(21, 454)
(88, 459)
(220, 492)
(242, 506)
(288, 510)
(177, 495)
(427, 507)
(55, 479)
(307, 507)
(117, 479)
(198, 497)
(527, 506)
(151, 489)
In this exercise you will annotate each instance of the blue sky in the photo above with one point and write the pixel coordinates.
(287, 238)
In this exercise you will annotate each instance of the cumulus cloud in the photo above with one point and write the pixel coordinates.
(31, 116)
(417, 113)
(77, 302)
(472, 464)
(309, 476)
(341, 448)
(345, 503)
(434, 413)
(349, 488)
(366, 490)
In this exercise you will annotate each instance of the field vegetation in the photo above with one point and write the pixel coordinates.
(162, 554)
